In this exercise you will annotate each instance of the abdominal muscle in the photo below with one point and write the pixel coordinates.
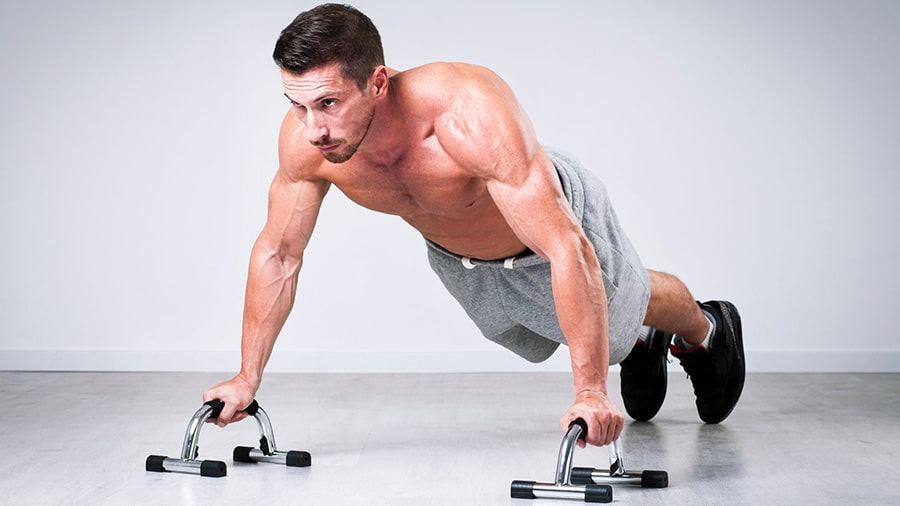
(479, 231)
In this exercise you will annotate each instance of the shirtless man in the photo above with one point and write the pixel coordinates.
(521, 235)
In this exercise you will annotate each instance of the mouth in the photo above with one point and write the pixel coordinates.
(328, 149)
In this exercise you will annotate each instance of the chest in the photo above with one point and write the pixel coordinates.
(423, 181)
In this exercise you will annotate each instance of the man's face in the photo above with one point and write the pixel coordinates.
(335, 112)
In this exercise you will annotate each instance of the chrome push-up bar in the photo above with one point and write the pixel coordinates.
(189, 463)
(586, 484)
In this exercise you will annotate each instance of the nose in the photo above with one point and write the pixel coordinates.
(316, 128)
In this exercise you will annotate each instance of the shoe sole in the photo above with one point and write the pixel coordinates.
(733, 321)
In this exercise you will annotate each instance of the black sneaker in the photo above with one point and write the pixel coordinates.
(718, 373)
(644, 376)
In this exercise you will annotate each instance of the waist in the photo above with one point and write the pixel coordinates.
(524, 258)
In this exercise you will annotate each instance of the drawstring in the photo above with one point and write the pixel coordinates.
(507, 264)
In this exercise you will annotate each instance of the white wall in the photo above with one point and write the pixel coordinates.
(750, 147)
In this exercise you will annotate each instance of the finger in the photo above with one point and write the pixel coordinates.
(620, 423)
(226, 416)
(226, 419)
(604, 432)
(565, 423)
(595, 433)
(620, 426)
(605, 429)
(209, 395)
(615, 427)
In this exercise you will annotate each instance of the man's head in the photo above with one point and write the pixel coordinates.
(331, 33)
(332, 68)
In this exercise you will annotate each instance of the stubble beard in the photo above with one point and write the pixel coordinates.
(345, 154)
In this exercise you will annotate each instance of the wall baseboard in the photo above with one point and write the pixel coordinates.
(403, 362)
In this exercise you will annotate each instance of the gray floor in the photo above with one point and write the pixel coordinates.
(441, 439)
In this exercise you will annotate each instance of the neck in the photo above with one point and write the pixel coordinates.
(384, 142)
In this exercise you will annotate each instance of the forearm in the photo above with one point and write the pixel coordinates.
(582, 311)
(271, 288)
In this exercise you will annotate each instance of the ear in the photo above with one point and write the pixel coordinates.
(379, 81)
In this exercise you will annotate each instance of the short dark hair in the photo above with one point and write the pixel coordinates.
(327, 34)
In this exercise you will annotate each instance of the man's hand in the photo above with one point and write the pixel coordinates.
(237, 393)
(603, 418)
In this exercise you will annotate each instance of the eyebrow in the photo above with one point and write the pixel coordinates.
(318, 99)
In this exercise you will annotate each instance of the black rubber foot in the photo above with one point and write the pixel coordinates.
(654, 479)
(242, 454)
(522, 490)
(582, 475)
(155, 463)
(213, 468)
(598, 493)
(298, 459)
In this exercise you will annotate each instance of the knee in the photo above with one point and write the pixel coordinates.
(662, 283)
(667, 292)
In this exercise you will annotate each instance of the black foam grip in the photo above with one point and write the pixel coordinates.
(298, 459)
(155, 463)
(582, 475)
(213, 468)
(252, 408)
(522, 490)
(581, 423)
(598, 493)
(654, 479)
(216, 406)
(242, 454)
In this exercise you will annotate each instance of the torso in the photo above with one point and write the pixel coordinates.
(428, 189)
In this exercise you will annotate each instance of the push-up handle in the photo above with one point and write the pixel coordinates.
(189, 463)
(217, 406)
(563, 488)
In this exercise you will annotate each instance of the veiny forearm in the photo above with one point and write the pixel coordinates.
(581, 308)
(271, 288)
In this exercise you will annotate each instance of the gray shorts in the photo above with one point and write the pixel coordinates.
(511, 301)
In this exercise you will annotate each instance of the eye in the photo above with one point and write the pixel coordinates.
(329, 102)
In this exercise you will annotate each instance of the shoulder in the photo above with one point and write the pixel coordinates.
(477, 117)
(450, 83)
